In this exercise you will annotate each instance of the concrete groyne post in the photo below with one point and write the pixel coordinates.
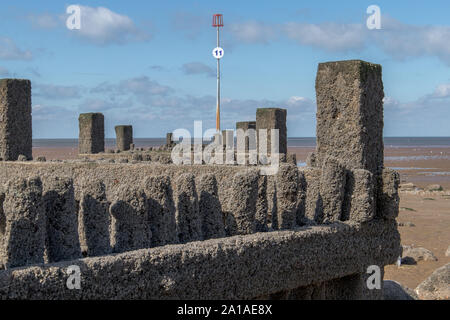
(62, 240)
(268, 119)
(332, 190)
(92, 133)
(130, 229)
(23, 223)
(169, 137)
(161, 210)
(350, 114)
(189, 222)
(15, 119)
(94, 219)
(242, 203)
(287, 189)
(124, 137)
(210, 207)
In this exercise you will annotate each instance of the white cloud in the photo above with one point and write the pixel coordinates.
(398, 40)
(253, 32)
(102, 26)
(142, 88)
(10, 51)
(401, 40)
(442, 91)
(328, 36)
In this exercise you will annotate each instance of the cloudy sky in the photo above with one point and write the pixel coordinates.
(149, 63)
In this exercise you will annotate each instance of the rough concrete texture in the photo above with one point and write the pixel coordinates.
(62, 241)
(311, 160)
(242, 202)
(210, 208)
(239, 267)
(350, 114)
(169, 137)
(129, 226)
(15, 119)
(388, 199)
(273, 118)
(287, 197)
(245, 125)
(436, 286)
(359, 203)
(233, 197)
(124, 137)
(92, 133)
(313, 207)
(189, 221)
(161, 210)
(291, 158)
(332, 189)
(94, 219)
(23, 223)
(261, 212)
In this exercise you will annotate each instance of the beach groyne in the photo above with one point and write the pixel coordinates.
(166, 231)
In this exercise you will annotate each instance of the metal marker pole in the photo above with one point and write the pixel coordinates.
(218, 87)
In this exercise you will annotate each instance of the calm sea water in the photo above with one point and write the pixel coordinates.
(405, 142)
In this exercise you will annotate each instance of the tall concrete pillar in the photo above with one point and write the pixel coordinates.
(92, 133)
(350, 114)
(124, 137)
(15, 119)
(272, 118)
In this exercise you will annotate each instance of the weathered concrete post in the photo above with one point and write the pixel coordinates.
(23, 226)
(272, 118)
(124, 137)
(349, 141)
(92, 133)
(94, 219)
(62, 241)
(169, 141)
(350, 114)
(15, 119)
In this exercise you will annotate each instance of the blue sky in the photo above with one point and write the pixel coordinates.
(149, 63)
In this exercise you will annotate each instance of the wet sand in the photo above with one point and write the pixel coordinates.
(430, 213)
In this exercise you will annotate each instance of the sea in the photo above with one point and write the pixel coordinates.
(390, 142)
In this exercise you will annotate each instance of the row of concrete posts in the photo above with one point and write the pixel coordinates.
(349, 118)
(92, 134)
